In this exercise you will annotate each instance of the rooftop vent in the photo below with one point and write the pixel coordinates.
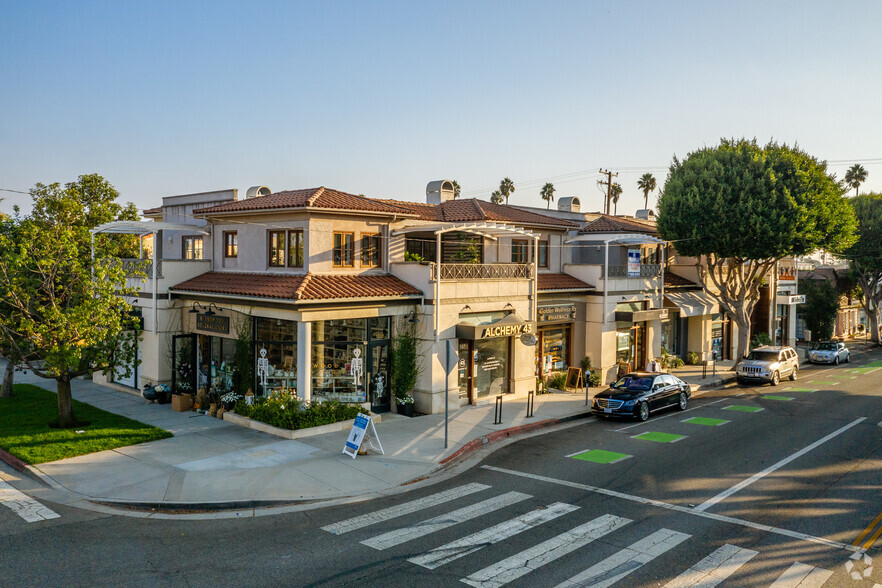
(255, 191)
(645, 214)
(569, 204)
(439, 191)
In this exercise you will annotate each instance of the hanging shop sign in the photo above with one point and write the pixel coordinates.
(557, 313)
(213, 323)
(790, 299)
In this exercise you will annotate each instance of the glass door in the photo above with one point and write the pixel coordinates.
(184, 363)
(378, 376)
(466, 368)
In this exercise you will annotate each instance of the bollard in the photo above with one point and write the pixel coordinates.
(703, 370)
(498, 411)
(715, 368)
(530, 404)
(586, 394)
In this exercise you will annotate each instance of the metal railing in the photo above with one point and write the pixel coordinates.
(647, 270)
(134, 267)
(483, 271)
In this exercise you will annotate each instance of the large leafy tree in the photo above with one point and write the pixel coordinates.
(647, 184)
(61, 314)
(739, 208)
(506, 188)
(547, 193)
(865, 256)
(820, 308)
(855, 176)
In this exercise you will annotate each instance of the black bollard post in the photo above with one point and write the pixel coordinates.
(498, 412)
(530, 404)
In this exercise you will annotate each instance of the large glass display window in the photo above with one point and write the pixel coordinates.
(276, 342)
(670, 334)
(491, 366)
(216, 360)
(555, 348)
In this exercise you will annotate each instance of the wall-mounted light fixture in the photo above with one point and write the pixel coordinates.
(193, 310)
(412, 316)
(210, 312)
(464, 308)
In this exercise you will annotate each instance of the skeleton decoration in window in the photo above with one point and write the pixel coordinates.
(355, 367)
(262, 370)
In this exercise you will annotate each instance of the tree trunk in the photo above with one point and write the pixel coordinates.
(66, 417)
(6, 388)
(873, 317)
(743, 339)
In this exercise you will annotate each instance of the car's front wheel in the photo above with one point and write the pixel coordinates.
(848, 358)
(836, 360)
(776, 377)
(643, 412)
(682, 402)
(793, 374)
(740, 381)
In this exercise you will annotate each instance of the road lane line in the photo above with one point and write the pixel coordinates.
(758, 476)
(25, 506)
(872, 539)
(678, 508)
(713, 569)
(423, 528)
(532, 559)
(801, 575)
(476, 541)
(403, 509)
(619, 565)
(868, 530)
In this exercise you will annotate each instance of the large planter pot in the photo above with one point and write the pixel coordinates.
(405, 409)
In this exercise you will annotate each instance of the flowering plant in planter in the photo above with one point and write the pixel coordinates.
(406, 399)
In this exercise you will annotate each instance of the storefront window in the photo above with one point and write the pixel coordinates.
(555, 349)
(491, 366)
(216, 361)
(623, 346)
(276, 341)
(670, 334)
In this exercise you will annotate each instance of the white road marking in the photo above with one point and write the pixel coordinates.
(713, 569)
(462, 547)
(514, 567)
(403, 509)
(801, 575)
(423, 528)
(678, 508)
(25, 506)
(744, 483)
(617, 566)
(656, 419)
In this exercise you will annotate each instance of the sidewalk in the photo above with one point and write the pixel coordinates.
(210, 464)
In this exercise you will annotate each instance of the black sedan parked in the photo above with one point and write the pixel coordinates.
(639, 393)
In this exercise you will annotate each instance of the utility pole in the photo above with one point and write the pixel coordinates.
(608, 184)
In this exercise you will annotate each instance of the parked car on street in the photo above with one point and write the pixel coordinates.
(829, 352)
(768, 364)
(638, 394)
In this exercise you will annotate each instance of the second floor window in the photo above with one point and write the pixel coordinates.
(344, 249)
(519, 251)
(286, 248)
(370, 250)
(231, 244)
(192, 248)
(543, 253)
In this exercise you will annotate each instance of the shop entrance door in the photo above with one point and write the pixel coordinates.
(378, 376)
(466, 368)
(184, 361)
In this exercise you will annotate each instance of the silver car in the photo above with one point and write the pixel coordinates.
(829, 352)
(768, 364)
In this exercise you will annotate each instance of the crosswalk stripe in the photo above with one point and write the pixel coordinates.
(514, 567)
(713, 569)
(462, 547)
(403, 509)
(25, 506)
(801, 575)
(617, 566)
(399, 536)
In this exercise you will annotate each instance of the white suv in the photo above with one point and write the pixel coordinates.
(768, 364)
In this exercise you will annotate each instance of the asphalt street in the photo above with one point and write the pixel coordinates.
(749, 486)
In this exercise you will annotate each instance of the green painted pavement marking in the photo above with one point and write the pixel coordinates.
(801, 389)
(600, 456)
(821, 383)
(864, 370)
(877, 363)
(660, 437)
(741, 408)
(771, 397)
(706, 422)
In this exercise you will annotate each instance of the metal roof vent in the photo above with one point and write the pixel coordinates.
(645, 214)
(255, 191)
(439, 191)
(569, 204)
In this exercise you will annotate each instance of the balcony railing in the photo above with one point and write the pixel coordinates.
(647, 270)
(483, 271)
(135, 267)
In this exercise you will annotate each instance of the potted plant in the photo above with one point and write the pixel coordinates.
(404, 404)
(229, 400)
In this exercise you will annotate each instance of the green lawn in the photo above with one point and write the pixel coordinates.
(25, 431)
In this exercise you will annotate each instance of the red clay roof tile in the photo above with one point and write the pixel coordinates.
(615, 224)
(310, 198)
(561, 282)
(472, 209)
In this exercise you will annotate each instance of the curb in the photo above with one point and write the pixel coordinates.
(13, 461)
(496, 436)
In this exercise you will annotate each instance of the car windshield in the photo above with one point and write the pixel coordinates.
(827, 346)
(763, 355)
(631, 383)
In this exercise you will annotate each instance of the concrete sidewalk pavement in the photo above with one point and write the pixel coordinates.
(211, 464)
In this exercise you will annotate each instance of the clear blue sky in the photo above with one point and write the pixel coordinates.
(379, 98)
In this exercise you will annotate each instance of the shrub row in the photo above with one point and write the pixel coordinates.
(292, 413)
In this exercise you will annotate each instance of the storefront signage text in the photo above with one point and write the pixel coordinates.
(213, 324)
(561, 312)
(506, 330)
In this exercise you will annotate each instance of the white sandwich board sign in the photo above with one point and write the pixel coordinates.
(359, 435)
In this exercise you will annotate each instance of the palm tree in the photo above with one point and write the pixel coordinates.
(855, 176)
(496, 197)
(456, 189)
(548, 193)
(647, 184)
(615, 192)
(506, 187)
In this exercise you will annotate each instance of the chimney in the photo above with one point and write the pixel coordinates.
(439, 191)
(255, 191)
(569, 204)
(645, 214)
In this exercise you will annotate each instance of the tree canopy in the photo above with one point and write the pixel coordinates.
(547, 193)
(865, 255)
(855, 176)
(506, 188)
(646, 184)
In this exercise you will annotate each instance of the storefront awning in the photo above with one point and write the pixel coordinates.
(693, 303)
(509, 326)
